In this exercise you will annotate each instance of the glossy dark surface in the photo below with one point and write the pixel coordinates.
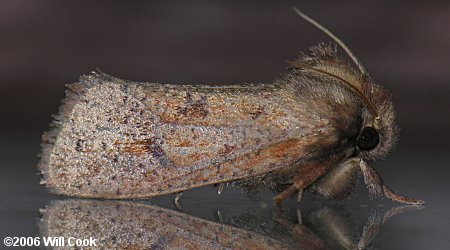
(404, 46)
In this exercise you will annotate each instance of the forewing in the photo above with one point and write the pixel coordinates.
(118, 139)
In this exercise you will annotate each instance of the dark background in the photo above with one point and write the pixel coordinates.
(404, 45)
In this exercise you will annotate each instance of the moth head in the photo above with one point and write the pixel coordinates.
(378, 132)
(377, 129)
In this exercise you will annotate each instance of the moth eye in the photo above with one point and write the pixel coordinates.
(368, 139)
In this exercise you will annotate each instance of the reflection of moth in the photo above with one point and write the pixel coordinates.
(130, 225)
(133, 225)
(317, 125)
(334, 227)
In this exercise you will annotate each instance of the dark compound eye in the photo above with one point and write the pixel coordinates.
(368, 139)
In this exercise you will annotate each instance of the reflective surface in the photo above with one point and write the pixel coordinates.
(121, 225)
(404, 46)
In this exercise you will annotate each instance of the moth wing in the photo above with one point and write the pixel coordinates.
(119, 139)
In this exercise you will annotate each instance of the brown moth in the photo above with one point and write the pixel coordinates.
(316, 126)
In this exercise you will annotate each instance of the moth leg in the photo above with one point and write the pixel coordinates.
(178, 196)
(219, 216)
(177, 203)
(376, 220)
(219, 191)
(284, 195)
(340, 181)
(303, 235)
(306, 175)
(376, 186)
(299, 217)
(299, 196)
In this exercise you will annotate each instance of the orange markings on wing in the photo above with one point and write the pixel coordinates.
(212, 111)
(285, 150)
(178, 139)
(135, 147)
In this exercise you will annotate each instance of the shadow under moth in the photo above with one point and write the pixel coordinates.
(316, 126)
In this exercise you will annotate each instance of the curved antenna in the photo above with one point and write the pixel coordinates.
(358, 92)
(335, 38)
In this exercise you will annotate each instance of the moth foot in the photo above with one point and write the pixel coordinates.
(400, 198)
(278, 199)
(220, 190)
(177, 201)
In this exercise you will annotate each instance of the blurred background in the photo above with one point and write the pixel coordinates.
(405, 45)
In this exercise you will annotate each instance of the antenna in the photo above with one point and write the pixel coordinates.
(335, 38)
(358, 92)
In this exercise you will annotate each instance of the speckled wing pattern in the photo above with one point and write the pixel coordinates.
(121, 139)
(130, 225)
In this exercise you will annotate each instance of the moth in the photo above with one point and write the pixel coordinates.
(317, 126)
